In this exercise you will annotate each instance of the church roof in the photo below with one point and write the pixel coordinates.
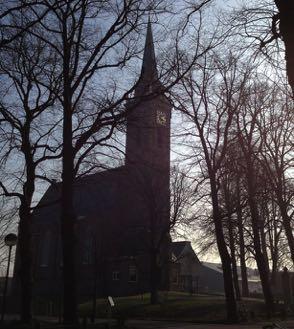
(89, 191)
(109, 203)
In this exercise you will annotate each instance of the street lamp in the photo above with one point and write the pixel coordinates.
(10, 241)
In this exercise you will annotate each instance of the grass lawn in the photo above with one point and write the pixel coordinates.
(172, 306)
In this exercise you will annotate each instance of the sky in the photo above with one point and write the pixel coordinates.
(221, 4)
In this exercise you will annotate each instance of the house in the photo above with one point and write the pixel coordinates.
(188, 274)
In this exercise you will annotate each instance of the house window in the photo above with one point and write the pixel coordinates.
(133, 276)
(115, 275)
(45, 250)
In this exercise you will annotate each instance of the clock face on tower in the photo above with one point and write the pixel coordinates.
(161, 118)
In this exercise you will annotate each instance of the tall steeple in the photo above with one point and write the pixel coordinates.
(148, 81)
(149, 67)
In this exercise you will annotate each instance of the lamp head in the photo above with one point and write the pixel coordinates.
(10, 240)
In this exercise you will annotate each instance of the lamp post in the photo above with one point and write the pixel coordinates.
(10, 241)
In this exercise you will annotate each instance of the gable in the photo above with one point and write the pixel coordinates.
(183, 249)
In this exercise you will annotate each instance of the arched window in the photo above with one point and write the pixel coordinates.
(88, 247)
(45, 249)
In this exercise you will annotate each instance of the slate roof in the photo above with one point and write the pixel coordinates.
(111, 201)
(90, 191)
(182, 248)
(213, 266)
(177, 247)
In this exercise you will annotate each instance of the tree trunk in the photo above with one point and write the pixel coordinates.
(286, 14)
(231, 306)
(24, 248)
(274, 270)
(264, 244)
(263, 214)
(286, 224)
(154, 278)
(67, 227)
(67, 206)
(25, 218)
(244, 277)
(259, 256)
(233, 259)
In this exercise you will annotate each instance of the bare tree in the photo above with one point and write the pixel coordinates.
(210, 98)
(90, 39)
(183, 202)
(276, 133)
(25, 135)
(230, 224)
(83, 47)
(236, 200)
(18, 17)
(269, 23)
(249, 142)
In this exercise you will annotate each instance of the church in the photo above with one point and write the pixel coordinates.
(122, 214)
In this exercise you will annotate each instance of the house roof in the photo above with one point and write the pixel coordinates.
(177, 247)
(213, 266)
(182, 249)
(251, 273)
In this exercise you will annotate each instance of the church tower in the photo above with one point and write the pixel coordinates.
(148, 121)
(148, 161)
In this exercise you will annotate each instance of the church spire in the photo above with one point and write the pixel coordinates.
(149, 69)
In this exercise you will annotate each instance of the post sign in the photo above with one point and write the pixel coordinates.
(110, 300)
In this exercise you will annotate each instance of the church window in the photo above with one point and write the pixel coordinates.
(45, 250)
(115, 275)
(133, 275)
(88, 248)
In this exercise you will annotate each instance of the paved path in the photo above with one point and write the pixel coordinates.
(152, 324)
(144, 324)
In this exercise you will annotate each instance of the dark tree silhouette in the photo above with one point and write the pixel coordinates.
(286, 32)
(89, 40)
(27, 128)
(210, 98)
(249, 141)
